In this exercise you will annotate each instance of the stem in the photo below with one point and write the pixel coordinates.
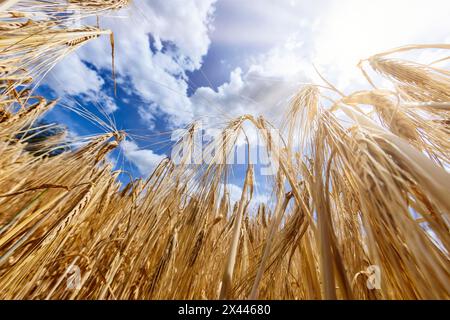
(229, 267)
(279, 211)
(6, 4)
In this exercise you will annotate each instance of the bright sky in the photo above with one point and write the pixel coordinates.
(181, 60)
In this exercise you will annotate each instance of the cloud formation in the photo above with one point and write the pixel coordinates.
(73, 78)
(158, 42)
(145, 160)
(332, 35)
(264, 89)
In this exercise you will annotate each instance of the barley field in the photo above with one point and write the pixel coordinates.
(362, 183)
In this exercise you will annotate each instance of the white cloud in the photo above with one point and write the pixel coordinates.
(263, 90)
(235, 193)
(350, 30)
(107, 103)
(332, 34)
(144, 159)
(336, 33)
(157, 77)
(72, 77)
(279, 39)
(290, 34)
(185, 23)
(262, 24)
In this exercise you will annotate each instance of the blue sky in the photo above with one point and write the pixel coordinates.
(184, 60)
